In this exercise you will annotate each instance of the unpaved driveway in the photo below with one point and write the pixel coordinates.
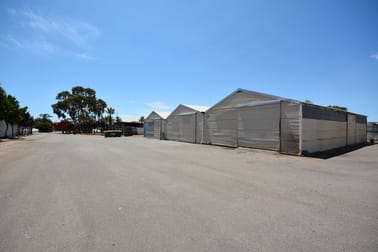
(90, 193)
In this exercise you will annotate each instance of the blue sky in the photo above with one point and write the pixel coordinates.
(153, 55)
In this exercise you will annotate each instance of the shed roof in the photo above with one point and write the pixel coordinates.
(197, 107)
(257, 103)
(243, 96)
(157, 115)
(183, 109)
(163, 115)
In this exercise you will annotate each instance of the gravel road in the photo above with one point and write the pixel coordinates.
(90, 193)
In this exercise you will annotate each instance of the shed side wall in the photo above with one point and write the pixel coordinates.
(290, 127)
(187, 128)
(357, 128)
(221, 127)
(172, 130)
(149, 128)
(258, 126)
(323, 129)
(199, 127)
(158, 128)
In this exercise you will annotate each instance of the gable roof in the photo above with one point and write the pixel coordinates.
(197, 107)
(188, 109)
(157, 115)
(163, 115)
(263, 96)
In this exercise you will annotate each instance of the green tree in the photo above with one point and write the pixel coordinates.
(80, 105)
(110, 111)
(100, 108)
(27, 121)
(43, 123)
(13, 113)
(338, 107)
(3, 103)
(141, 119)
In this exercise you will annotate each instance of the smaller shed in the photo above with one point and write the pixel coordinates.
(154, 125)
(324, 128)
(185, 124)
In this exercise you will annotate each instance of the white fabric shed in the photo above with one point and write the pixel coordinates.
(154, 125)
(185, 124)
(256, 120)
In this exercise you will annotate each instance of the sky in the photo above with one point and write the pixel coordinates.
(149, 55)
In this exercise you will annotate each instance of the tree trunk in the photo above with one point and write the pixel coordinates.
(12, 126)
(6, 129)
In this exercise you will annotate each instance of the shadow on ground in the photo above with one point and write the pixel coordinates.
(12, 139)
(336, 152)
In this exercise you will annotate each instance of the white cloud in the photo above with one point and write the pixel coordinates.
(84, 56)
(374, 56)
(13, 41)
(31, 45)
(52, 34)
(78, 32)
(159, 106)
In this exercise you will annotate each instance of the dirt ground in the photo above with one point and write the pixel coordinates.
(90, 193)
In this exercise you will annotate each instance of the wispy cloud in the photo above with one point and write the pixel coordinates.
(374, 56)
(14, 41)
(84, 56)
(53, 34)
(78, 32)
(31, 45)
(159, 105)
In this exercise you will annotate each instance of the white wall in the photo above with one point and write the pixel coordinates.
(291, 118)
(3, 127)
(17, 130)
(221, 127)
(173, 126)
(259, 126)
(321, 135)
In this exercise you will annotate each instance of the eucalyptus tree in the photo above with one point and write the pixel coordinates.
(80, 105)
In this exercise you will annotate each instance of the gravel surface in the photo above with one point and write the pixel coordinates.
(90, 193)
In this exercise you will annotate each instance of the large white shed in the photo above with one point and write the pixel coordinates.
(185, 124)
(256, 120)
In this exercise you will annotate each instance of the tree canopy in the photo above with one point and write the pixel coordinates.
(81, 108)
(80, 105)
(12, 113)
(338, 107)
(44, 123)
